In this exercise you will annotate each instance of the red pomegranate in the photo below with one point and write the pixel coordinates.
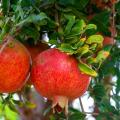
(56, 76)
(14, 66)
(108, 41)
(36, 49)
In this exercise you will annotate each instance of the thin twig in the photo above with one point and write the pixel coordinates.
(56, 18)
(83, 111)
(91, 113)
(113, 32)
(82, 108)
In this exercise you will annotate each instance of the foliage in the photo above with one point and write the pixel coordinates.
(68, 27)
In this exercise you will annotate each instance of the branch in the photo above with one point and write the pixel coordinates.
(91, 113)
(113, 32)
(56, 18)
(82, 108)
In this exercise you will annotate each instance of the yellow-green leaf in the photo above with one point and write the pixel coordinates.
(86, 69)
(95, 39)
(91, 26)
(83, 50)
(66, 48)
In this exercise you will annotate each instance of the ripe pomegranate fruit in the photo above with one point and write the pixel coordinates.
(56, 76)
(108, 41)
(36, 49)
(14, 66)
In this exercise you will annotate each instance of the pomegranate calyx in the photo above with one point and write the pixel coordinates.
(60, 103)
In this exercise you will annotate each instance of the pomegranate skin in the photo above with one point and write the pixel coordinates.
(14, 67)
(108, 41)
(55, 73)
(36, 49)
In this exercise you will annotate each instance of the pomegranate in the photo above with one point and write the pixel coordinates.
(36, 49)
(57, 77)
(108, 41)
(14, 66)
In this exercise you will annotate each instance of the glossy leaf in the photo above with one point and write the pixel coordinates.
(80, 43)
(102, 55)
(77, 29)
(71, 21)
(91, 26)
(83, 50)
(33, 19)
(86, 69)
(95, 39)
(13, 107)
(66, 48)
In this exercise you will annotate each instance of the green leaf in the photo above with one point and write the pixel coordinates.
(80, 43)
(52, 117)
(33, 18)
(12, 107)
(77, 29)
(32, 32)
(5, 6)
(5, 29)
(10, 114)
(17, 102)
(86, 69)
(91, 60)
(102, 21)
(83, 50)
(91, 26)
(77, 116)
(71, 21)
(93, 47)
(95, 39)
(102, 55)
(98, 92)
(107, 48)
(66, 48)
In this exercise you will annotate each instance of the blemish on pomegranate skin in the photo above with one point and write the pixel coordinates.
(42, 61)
